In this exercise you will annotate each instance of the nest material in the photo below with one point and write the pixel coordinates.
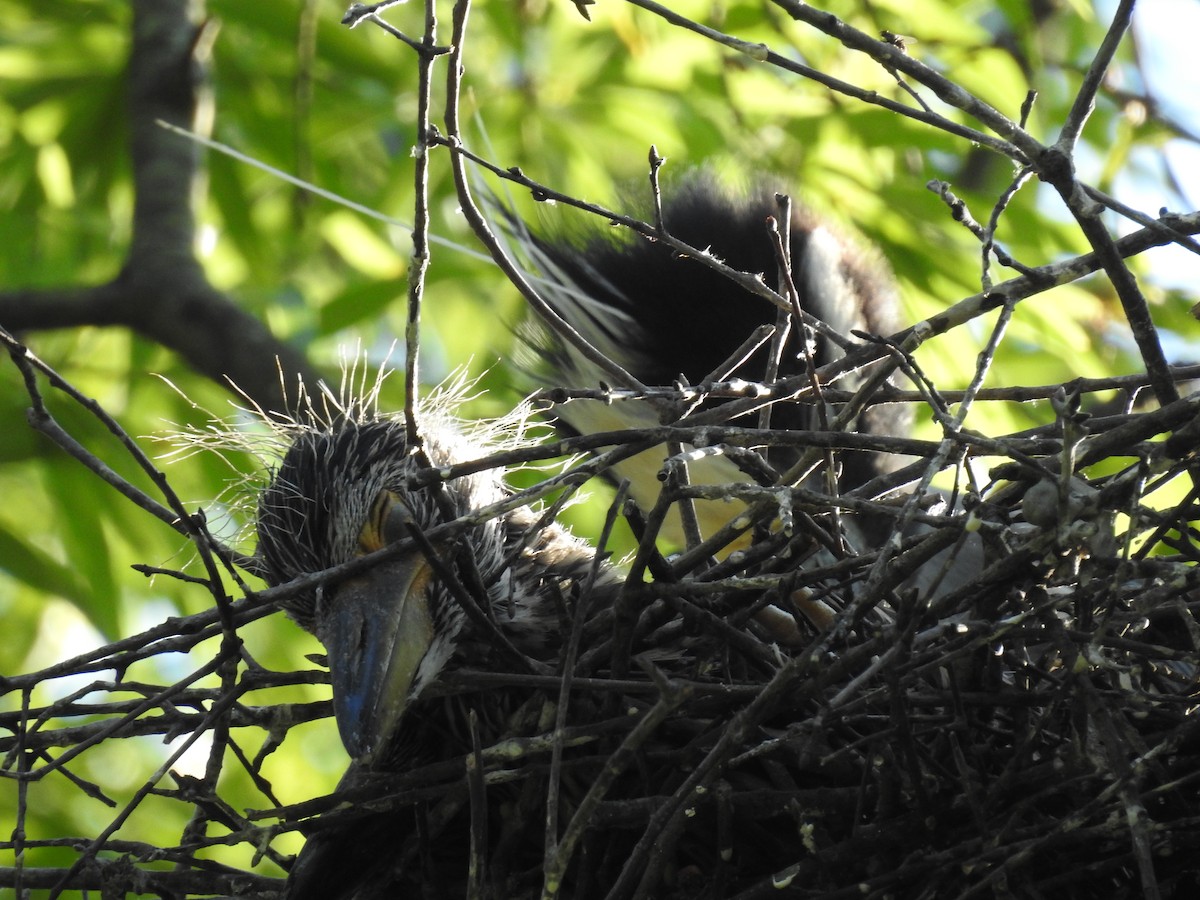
(775, 724)
(1024, 734)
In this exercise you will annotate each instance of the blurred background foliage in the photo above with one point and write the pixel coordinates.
(575, 104)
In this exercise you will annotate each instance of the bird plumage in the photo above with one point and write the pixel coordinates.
(349, 487)
(666, 318)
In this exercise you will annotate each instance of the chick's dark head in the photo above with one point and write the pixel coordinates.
(341, 492)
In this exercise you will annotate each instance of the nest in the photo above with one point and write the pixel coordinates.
(793, 719)
(797, 720)
(984, 691)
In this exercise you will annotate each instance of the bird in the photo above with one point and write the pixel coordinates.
(347, 487)
(344, 490)
(443, 587)
(668, 318)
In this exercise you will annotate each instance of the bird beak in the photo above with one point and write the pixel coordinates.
(376, 630)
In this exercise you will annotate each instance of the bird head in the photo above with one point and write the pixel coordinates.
(343, 491)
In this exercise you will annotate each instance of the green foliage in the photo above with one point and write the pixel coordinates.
(575, 105)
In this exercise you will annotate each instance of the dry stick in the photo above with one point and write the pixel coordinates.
(477, 866)
(479, 223)
(672, 697)
(676, 467)
(23, 761)
(781, 236)
(656, 163)
(94, 846)
(227, 669)
(357, 14)
(989, 243)
(986, 236)
(1052, 164)
(751, 283)
(1056, 166)
(624, 605)
(779, 229)
(41, 419)
(1085, 100)
(687, 509)
(953, 427)
(38, 741)
(745, 350)
(473, 595)
(781, 239)
(582, 610)
(192, 526)
(716, 384)
(1015, 142)
(1161, 226)
(228, 656)
(111, 728)
(805, 665)
(204, 794)
(359, 11)
(174, 635)
(174, 515)
(426, 56)
(842, 422)
(253, 768)
(885, 53)
(900, 44)
(115, 875)
(365, 211)
(428, 51)
(478, 614)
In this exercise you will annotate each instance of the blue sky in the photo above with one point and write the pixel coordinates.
(1166, 34)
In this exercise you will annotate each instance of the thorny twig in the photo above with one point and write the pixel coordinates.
(867, 708)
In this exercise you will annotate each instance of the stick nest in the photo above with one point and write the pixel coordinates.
(996, 703)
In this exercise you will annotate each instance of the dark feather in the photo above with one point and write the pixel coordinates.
(663, 317)
(411, 826)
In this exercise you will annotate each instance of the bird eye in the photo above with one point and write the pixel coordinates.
(395, 519)
(385, 524)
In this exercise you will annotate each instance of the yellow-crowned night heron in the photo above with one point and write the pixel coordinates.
(346, 490)
(353, 486)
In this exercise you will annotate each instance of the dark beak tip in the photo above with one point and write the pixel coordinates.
(356, 745)
(356, 725)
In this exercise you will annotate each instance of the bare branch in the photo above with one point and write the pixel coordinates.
(162, 291)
